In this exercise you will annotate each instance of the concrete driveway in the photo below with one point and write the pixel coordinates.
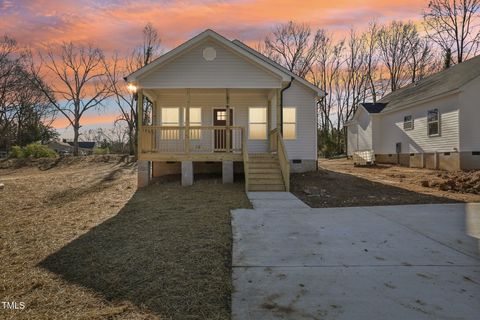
(394, 262)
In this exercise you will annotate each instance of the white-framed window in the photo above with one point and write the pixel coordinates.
(433, 122)
(408, 123)
(289, 123)
(257, 123)
(170, 117)
(195, 121)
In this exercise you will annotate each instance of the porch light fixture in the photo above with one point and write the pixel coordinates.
(133, 90)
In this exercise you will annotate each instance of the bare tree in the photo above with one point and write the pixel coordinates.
(454, 26)
(147, 51)
(140, 56)
(124, 99)
(394, 44)
(25, 115)
(325, 73)
(293, 46)
(422, 60)
(78, 83)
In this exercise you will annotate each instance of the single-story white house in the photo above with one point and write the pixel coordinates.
(220, 105)
(434, 123)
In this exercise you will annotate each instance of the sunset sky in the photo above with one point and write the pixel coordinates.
(116, 25)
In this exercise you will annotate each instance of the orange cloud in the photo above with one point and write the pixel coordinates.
(90, 119)
(116, 25)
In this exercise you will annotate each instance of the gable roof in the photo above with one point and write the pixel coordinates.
(83, 144)
(374, 107)
(280, 67)
(443, 82)
(197, 39)
(236, 46)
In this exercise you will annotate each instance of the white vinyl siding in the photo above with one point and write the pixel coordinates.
(469, 116)
(227, 70)
(305, 145)
(417, 140)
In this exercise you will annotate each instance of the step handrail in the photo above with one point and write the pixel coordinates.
(283, 161)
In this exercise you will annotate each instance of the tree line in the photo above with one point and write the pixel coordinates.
(69, 79)
(364, 66)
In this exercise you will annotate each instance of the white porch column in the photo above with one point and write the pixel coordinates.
(187, 124)
(227, 103)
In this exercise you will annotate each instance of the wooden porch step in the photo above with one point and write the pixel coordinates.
(256, 165)
(256, 181)
(268, 187)
(265, 170)
(264, 175)
(263, 160)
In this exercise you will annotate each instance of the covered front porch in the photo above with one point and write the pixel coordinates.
(214, 125)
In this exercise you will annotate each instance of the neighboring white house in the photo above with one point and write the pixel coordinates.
(434, 123)
(220, 105)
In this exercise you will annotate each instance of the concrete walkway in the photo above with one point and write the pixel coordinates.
(275, 200)
(393, 262)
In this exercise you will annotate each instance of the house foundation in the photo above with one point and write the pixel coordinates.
(448, 161)
(227, 171)
(187, 173)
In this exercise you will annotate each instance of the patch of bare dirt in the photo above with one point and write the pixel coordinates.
(456, 181)
(339, 184)
(78, 241)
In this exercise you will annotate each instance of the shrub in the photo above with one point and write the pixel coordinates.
(17, 152)
(34, 150)
(100, 151)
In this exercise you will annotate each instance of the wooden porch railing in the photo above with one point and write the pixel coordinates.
(277, 144)
(198, 139)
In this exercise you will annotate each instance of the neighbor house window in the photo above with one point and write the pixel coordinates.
(257, 123)
(170, 118)
(195, 121)
(408, 123)
(433, 122)
(289, 123)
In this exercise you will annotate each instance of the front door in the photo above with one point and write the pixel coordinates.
(220, 135)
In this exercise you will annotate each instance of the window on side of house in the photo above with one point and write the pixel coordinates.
(433, 122)
(289, 123)
(195, 121)
(257, 123)
(408, 123)
(170, 117)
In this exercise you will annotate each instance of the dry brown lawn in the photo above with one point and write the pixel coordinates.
(338, 183)
(79, 242)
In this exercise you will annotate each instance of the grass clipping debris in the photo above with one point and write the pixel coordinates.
(79, 242)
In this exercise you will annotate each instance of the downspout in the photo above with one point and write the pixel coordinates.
(281, 103)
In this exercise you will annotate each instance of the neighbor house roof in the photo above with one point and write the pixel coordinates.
(438, 84)
(374, 107)
(84, 144)
(236, 46)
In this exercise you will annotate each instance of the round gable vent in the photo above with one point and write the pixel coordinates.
(209, 54)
